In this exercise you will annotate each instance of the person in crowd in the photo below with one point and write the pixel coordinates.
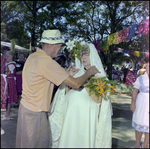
(136, 65)
(19, 67)
(4, 89)
(122, 73)
(114, 73)
(140, 107)
(127, 66)
(142, 70)
(2, 131)
(12, 90)
(40, 73)
(77, 119)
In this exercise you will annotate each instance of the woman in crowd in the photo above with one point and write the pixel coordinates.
(140, 107)
(3, 78)
(19, 67)
(12, 90)
(3, 81)
(78, 119)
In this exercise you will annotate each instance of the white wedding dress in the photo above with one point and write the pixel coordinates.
(76, 121)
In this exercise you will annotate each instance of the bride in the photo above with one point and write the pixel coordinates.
(77, 119)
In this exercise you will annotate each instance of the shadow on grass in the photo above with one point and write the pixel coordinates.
(121, 144)
(122, 110)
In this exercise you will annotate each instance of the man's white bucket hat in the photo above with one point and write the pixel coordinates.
(51, 37)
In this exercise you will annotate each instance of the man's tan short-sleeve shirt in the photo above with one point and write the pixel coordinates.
(40, 73)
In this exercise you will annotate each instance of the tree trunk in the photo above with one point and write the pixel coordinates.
(34, 22)
(109, 63)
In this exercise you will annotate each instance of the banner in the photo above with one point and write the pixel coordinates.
(124, 35)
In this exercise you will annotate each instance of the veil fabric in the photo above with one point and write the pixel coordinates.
(94, 59)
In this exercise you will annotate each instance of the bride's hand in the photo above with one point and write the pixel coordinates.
(72, 70)
(93, 97)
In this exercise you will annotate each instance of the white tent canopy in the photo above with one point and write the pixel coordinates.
(17, 48)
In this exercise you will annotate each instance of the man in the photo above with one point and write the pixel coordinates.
(40, 73)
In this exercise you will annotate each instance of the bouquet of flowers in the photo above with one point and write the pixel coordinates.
(101, 87)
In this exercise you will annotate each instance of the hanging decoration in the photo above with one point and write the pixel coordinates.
(131, 31)
(112, 39)
(145, 26)
(122, 36)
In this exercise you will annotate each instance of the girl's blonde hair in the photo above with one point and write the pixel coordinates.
(144, 66)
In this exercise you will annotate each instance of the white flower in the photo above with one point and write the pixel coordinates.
(70, 45)
(75, 40)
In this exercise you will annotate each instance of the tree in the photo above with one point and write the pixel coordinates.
(39, 15)
(9, 11)
(89, 20)
(98, 19)
(12, 24)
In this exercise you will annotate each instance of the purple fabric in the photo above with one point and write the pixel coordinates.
(131, 77)
(19, 82)
(96, 43)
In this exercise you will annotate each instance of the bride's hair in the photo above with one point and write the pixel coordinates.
(85, 50)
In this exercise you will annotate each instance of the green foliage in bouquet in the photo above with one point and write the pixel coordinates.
(101, 86)
(77, 50)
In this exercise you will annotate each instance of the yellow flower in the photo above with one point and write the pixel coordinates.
(100, 85)
(112, 87)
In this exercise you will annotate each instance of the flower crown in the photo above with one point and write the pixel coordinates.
(76, 47)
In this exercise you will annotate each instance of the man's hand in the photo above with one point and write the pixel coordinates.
(93, 70)
(72, 71)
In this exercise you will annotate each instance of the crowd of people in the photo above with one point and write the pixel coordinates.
(11, 84)
(55, 109)
(121, 74)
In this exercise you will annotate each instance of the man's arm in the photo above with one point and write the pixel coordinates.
(77, 82)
